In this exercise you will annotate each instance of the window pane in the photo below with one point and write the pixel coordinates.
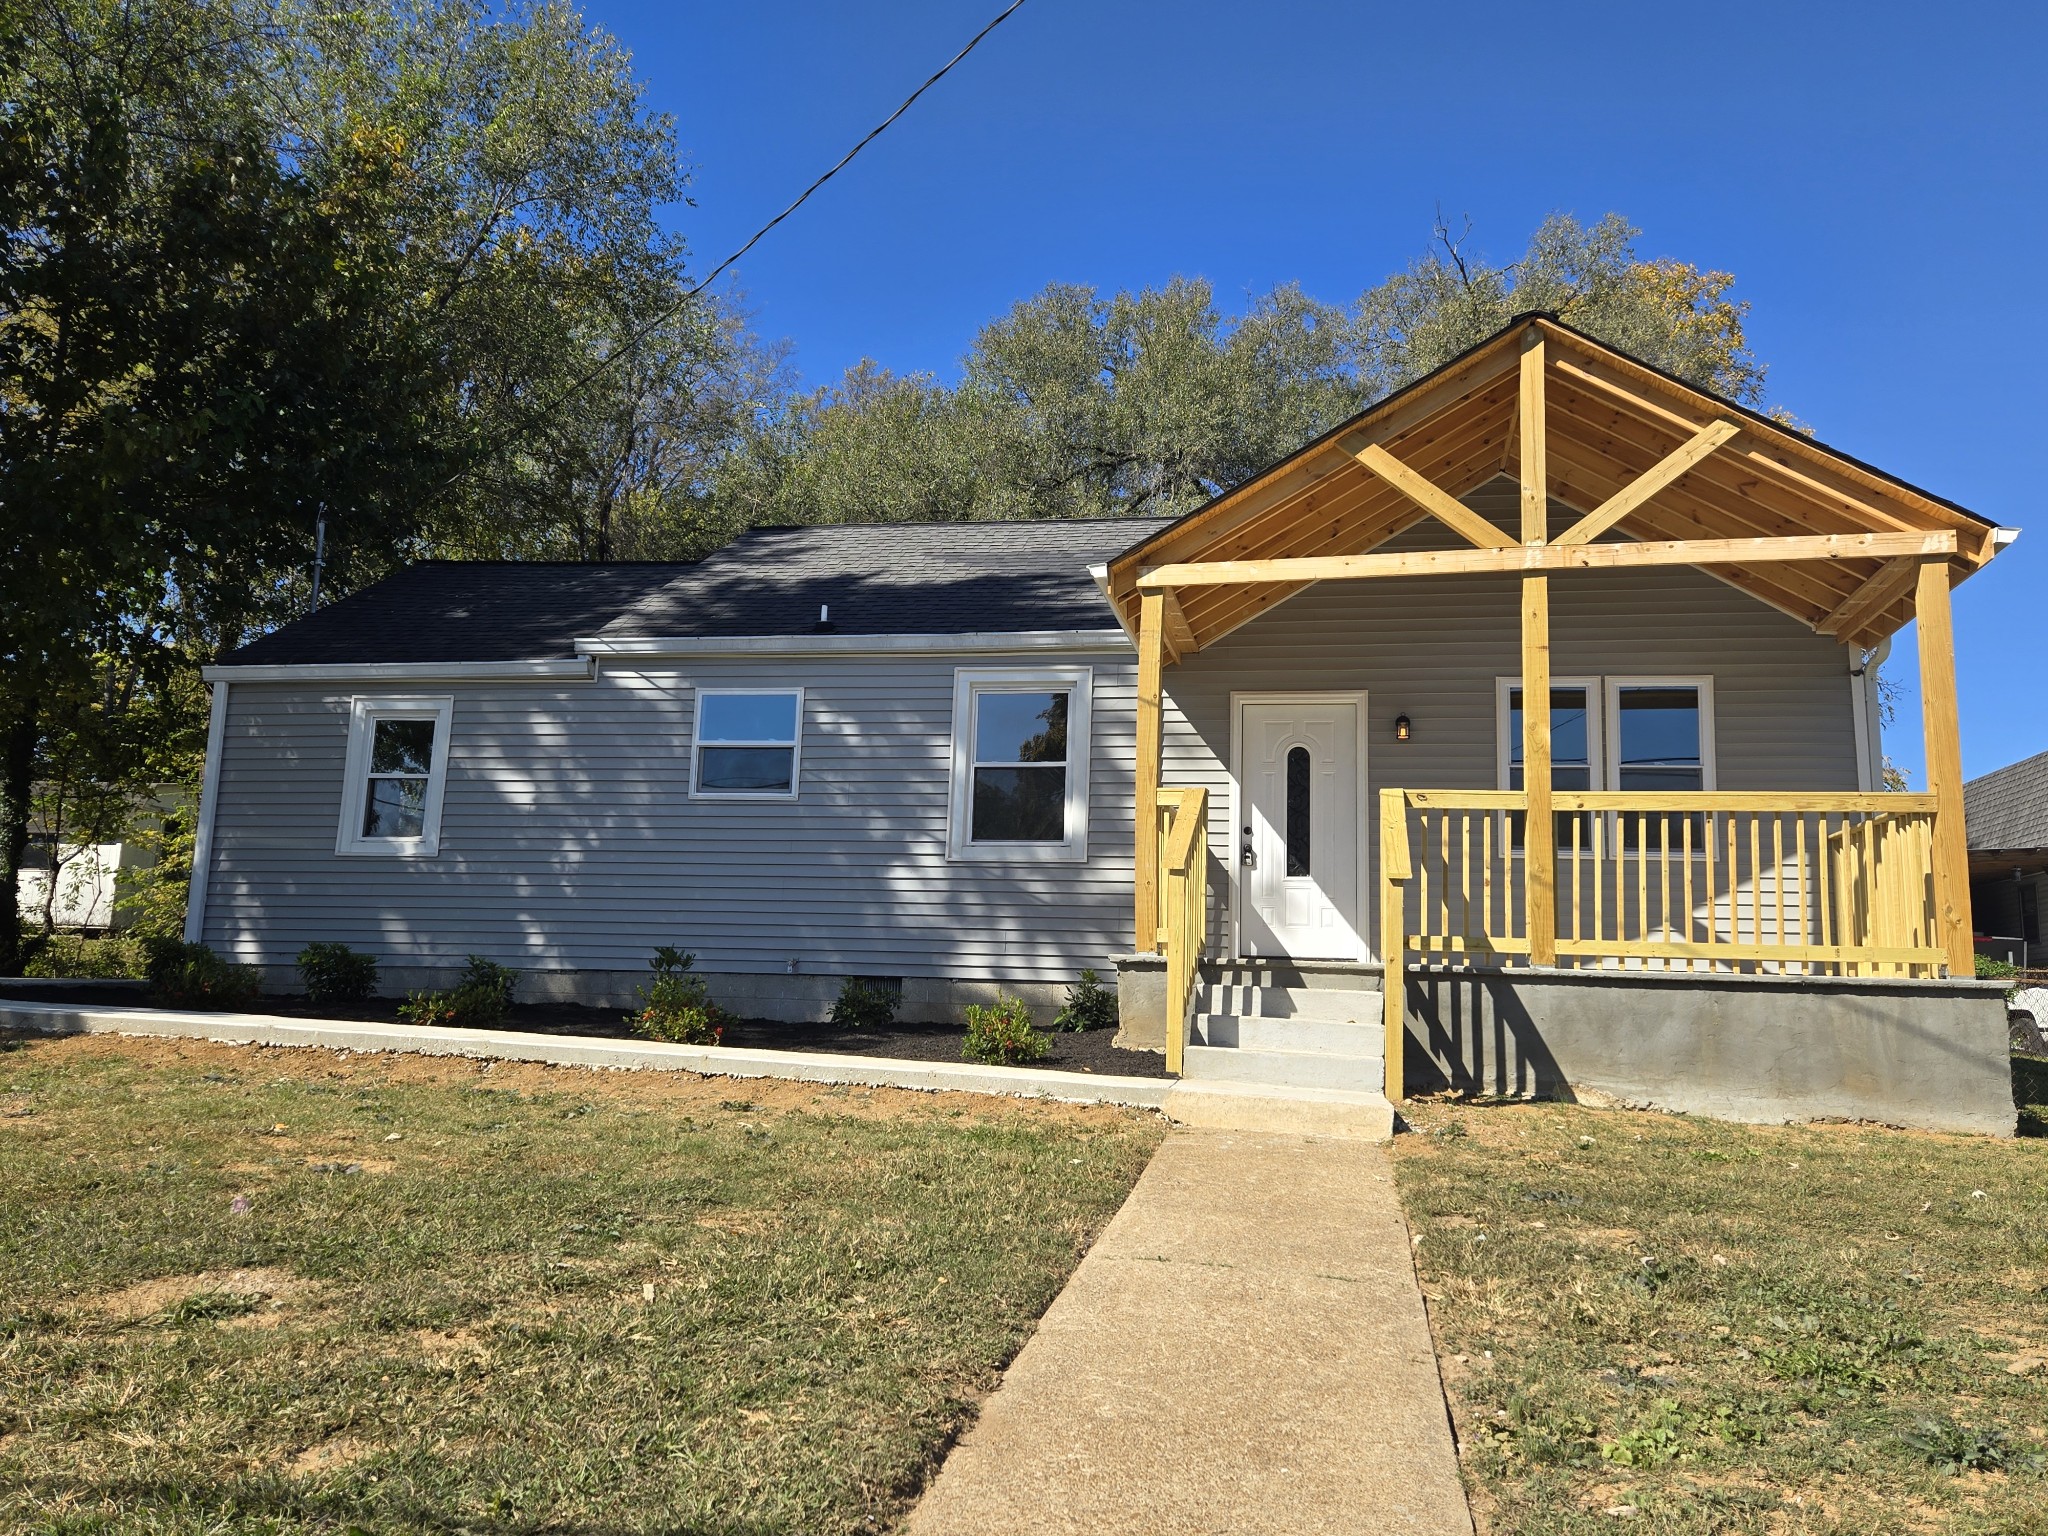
(395, 807)
(1571, 765)
(1569, 738)
(1020, 727)
(1020, 805)
(1659, 739)
(761, 770)
(1297, 810)
(402, 746)
(746, 717)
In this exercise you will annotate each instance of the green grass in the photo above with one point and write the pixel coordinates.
(543, 1300)
(1712, 1328)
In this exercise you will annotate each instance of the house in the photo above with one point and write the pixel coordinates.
(72, 885)
(1259, 757)
(2006, 811)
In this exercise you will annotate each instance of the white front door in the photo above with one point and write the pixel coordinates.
(1300, 779)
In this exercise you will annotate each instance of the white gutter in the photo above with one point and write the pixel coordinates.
(857, 645)
(1100, 575)
(1867, 709)
(209, 798)
(401, 671)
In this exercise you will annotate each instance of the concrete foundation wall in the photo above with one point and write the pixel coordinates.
(785, 999)
(1767, 1049)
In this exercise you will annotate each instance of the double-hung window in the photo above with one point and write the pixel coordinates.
(392, 784)
(1641, 735)
(747, 743)
(1574, 746)
(1020, 764)
(1661, 743)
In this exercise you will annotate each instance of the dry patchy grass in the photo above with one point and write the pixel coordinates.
(261, 1290)
(1657, 1323)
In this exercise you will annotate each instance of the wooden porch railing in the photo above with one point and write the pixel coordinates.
(1183, 907)
(1837, 885)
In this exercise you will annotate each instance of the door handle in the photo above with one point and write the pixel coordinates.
(1247, 855)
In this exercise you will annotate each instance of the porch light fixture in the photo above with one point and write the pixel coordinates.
(1402, 729)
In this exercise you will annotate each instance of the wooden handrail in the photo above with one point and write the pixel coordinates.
(1840, 884)
(1184, 915)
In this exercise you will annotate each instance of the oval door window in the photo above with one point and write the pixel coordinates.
(1297, 810)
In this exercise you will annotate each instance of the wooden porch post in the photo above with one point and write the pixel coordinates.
(1151, 658)
(1944, 765)
(1539, 837)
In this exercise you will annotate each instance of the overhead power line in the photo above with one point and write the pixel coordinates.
(637, 337)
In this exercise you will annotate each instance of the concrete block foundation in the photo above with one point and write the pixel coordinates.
(1767, 1049)
(786, 999)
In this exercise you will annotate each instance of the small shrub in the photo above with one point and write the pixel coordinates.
(334, 973)
(865, 1004)
(481, 995)
(1001, 1034)
(73, 955)
(1090, 1005)
(432, 1009)
(193, 976)
(1956, 1448)
(484, 990)
(1989, 969)
(674, 1006)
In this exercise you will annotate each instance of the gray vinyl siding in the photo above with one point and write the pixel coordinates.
(569, 839)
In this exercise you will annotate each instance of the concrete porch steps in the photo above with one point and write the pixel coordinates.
(1275, 1048)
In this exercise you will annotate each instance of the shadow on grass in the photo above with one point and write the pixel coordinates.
(2030, 1093)
(276, 1503)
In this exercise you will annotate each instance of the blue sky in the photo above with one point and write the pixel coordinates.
(1873, 174)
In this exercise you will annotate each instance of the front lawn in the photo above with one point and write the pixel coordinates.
(266, 1290)
(1702, 1327)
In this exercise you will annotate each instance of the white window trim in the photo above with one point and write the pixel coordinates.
(365, 710)
(967, 683)
(1596, 709)
(1611, 710)
(796, 745)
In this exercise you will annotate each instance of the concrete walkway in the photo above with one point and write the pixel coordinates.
(1243, 1352)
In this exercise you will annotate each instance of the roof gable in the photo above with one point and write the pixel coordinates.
(1656, 458)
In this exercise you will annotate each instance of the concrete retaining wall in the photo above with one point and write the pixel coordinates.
(1767, 1049)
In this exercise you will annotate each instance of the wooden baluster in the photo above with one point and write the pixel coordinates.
(1778, 878)
(1599, 880)
(1443, 884)
(1685, 879)
(1578, 876)
(1486, 878)
(1465, 879)
(1823, 857)
(1642, 923)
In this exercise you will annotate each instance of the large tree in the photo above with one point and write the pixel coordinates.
(1080, 404)
(263, 262)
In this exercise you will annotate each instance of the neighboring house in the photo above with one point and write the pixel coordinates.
(2007, 812)
(1286, 729)
(91, 880)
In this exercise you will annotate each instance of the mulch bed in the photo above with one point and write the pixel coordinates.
(1093, 1051)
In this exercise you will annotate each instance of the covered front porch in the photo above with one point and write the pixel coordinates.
(1600, 841)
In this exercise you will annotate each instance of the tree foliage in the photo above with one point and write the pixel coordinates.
(1077, 404)
(264, 263)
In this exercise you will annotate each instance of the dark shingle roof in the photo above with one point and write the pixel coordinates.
(878, 578)
(2008, 807)
(447, 610)
(893, 579)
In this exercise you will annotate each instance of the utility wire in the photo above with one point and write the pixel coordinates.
(634, 340)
